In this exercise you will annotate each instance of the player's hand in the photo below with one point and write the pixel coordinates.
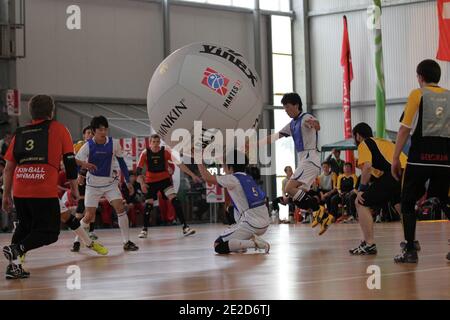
(396, 169)
(7, 203)
(144, 188)
(359, 197)
(89, 166)
(170, 170)
(197, 179)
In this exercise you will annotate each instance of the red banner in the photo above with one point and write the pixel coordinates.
(444, 30)
(132, 148)
(346, 63)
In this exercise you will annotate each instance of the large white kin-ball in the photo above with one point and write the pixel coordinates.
(207, 82)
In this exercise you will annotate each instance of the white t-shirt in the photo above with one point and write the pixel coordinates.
(256, 217)
(309, 138)
(95, 181)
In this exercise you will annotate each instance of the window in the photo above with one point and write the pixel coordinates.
(282, 83)
(274, 5)
(269, 5)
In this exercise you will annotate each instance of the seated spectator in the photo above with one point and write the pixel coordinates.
(346, 187)
(335, 161)
(327, 185)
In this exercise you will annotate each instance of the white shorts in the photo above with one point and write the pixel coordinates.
(306, 173)
(93, 194)
(242, 231)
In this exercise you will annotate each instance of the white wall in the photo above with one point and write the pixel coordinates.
(410, 34)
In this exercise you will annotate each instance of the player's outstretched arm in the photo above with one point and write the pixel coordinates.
(206, 175)
(186, 170)
(269, 139)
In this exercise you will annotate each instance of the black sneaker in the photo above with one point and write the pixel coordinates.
(130, 246)
(364, 249)
(407, 256)
(12, 252)
(15, 271)
(448, 256)
(416, 245)
(76, 247)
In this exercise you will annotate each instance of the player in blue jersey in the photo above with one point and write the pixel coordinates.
(106, 154)
(303, 129)
(251, 213)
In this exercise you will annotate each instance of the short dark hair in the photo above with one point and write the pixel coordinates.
(41, 106)
(155, 136)
(348, 164)
(429, 70)
(236, 158)
(98, 121)
(86, 129)
(364, 130)
(327, 163)
(285, 168)
(292, 98)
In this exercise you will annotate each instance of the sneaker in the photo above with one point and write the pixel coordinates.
(130, 246)
(260, 243)
(11, 252)
(76, 247)
(93, 236)
(407, 256)
(317, 216)
(378, 219)
(188, 231)
(143, 234)
(416, 245)
(99, 248)
(15, 271)
(350, 219)
(364, 249)
(325, 223)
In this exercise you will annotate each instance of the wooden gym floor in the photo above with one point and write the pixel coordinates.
(301, 265)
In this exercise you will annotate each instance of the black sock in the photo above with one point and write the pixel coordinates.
(307, 202)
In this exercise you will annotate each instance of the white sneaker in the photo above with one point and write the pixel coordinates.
(93, 236)
(143, 234)
(378, 219)
(261, 243)
(188, 231)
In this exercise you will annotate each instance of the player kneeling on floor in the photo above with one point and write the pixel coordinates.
(249, 204)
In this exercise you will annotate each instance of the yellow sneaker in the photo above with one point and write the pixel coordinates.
(317, 216)
(326, 222)
(99, 248)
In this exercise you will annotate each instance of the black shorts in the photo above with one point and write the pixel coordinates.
(381, 191)
(414, 181)
(155, 187)
(39, 214)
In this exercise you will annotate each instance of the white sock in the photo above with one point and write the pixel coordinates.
(82, 234)
(77, 238)
(124, 226)
(238, 245)
(299, 195)
(84, 225)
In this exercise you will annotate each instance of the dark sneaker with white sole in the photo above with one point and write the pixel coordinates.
(364, 249)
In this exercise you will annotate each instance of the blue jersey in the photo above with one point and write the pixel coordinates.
(297, 135)
(102, 156)
(254, 194)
